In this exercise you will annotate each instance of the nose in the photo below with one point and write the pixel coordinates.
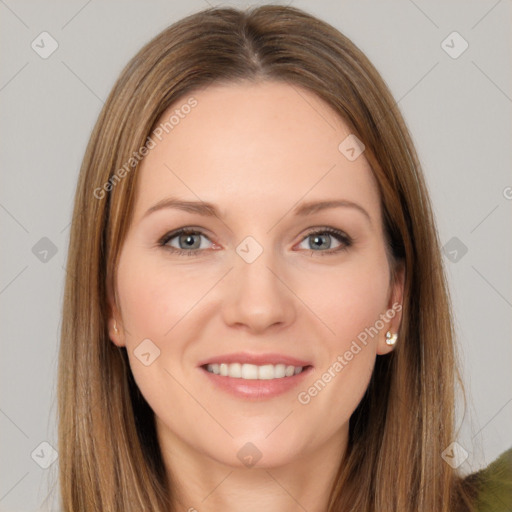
(257, 297)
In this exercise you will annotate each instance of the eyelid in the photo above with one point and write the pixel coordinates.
(182, 231)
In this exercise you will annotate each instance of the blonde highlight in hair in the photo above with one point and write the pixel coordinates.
(109, 454)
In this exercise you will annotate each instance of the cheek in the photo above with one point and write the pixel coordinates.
(360, 299)
(351, 299)
(350, 303)
(152, 298)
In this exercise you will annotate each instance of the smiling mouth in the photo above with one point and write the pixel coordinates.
(253, 371)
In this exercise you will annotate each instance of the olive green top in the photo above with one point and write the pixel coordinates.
(495, 491)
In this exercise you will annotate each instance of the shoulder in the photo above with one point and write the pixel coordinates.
(494, 484)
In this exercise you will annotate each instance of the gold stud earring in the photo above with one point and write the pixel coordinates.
(391, 338)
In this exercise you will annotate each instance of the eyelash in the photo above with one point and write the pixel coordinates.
(340, 236)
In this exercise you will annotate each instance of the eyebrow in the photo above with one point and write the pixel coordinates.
(209, 210)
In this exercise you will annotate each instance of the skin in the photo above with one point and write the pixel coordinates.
(256, 151)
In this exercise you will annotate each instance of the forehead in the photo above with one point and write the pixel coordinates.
(271, 143)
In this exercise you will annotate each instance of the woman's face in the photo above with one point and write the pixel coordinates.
(283, 266)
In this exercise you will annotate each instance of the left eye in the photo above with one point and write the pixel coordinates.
(323, 240)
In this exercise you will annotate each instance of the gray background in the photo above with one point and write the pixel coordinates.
(458, 110)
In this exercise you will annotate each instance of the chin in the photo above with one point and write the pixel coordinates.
(257, 451)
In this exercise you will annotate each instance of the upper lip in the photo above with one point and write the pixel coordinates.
(257, 359)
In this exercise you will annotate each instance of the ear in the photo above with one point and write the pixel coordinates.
(392, 317)
(115, 325)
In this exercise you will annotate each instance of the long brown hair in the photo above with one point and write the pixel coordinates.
(109, 456)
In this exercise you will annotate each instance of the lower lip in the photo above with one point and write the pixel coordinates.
(256, 389)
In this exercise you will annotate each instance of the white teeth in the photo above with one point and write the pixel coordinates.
(279, 371)
(289, 371)
(266, 372)
(254, 372)
(249, 371)
(235, 370)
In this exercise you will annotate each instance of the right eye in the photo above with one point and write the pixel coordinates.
(184, 242)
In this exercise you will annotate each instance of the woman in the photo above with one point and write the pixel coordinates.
(257, 374)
